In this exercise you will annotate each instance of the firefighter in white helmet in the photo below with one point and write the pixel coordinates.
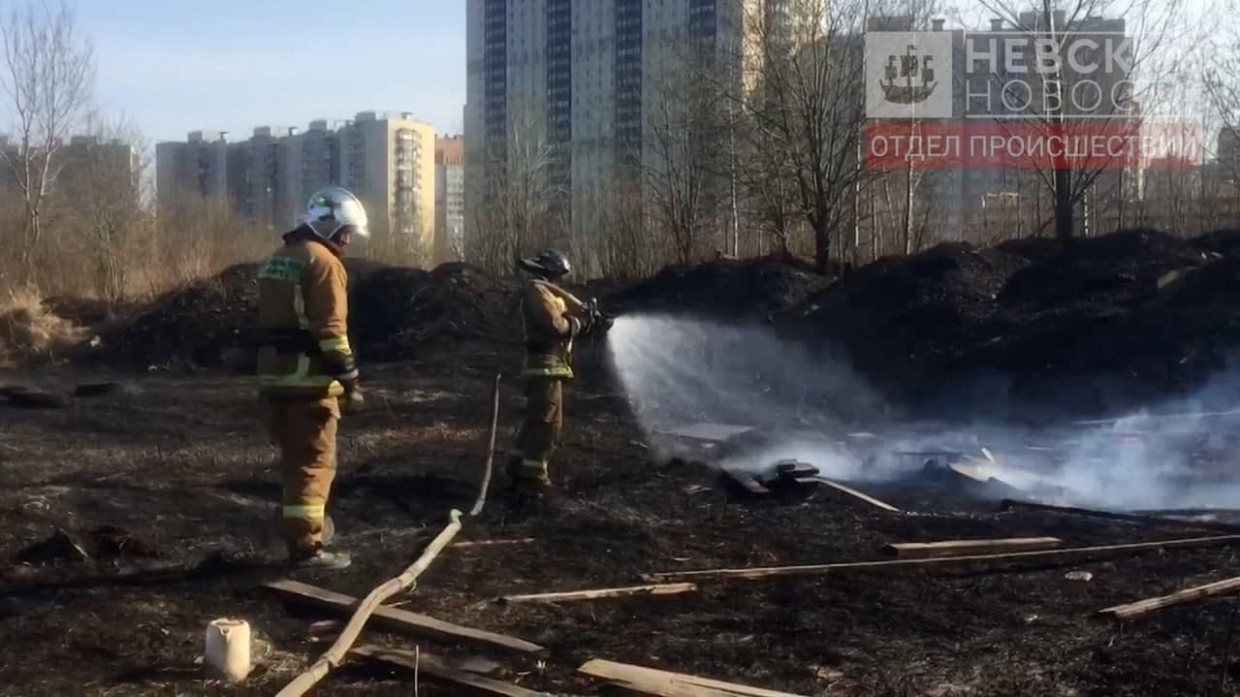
(306, 368)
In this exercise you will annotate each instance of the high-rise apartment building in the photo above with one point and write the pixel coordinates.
(83, 172)
(577, 82)
(198, 166)
(386, 159)
(449, 197)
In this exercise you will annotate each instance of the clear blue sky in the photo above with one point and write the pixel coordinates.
(174, 66)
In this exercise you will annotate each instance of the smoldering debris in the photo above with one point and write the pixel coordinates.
(739, 399)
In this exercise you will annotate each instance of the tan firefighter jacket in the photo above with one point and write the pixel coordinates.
(548, 331)
(303, 306)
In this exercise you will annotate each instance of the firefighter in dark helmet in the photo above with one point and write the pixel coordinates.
(550, 324)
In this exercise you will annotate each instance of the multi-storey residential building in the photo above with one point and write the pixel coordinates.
(197, 166)
(449, 197)
(82, 162)
(84, 174)
(387, 159)
(312, 161)
(261, 187)
(578, 82)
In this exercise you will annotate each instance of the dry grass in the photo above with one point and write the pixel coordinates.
(28, 331)
(437, 433)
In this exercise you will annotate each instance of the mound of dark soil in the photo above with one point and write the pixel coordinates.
(725, 288)
(1108, 270)
(903, 311)
(197, 322)
(392, 310)
(396, 310)
(1086, 325)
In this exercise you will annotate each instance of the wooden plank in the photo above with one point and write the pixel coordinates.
(955, 548)
(1189, 512)
(598, 593)
(1188, 595)
(649, 681)
(816, 569)
(437, 669)
(856, 494)
(1009, 504)
(473, 544)
(403, 621)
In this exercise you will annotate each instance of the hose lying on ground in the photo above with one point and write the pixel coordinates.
(348, 636)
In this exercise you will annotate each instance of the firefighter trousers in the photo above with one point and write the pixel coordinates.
(541, 428)
(304, 429)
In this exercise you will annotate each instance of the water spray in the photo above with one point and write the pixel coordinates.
(812, 407)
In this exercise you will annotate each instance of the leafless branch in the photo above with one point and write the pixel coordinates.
(47, 74)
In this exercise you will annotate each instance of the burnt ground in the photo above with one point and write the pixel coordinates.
(175, 473)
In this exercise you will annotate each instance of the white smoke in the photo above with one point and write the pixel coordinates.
(818, 410)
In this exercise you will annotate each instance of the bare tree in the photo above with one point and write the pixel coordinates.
(624, 246)
(100, 201)
(454, 245)
(768, 182)
(516, 212)
(1052, 98)
(805, 106)
(47, 75)
(199, 235)
(1222, 84)
(682, 163)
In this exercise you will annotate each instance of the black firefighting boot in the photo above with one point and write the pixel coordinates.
(531, 493)
(319, 557)
(513, 470)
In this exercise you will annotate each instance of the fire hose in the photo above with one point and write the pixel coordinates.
(405, 581)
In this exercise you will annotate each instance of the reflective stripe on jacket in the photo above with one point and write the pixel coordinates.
(303, 289)
(548, 332)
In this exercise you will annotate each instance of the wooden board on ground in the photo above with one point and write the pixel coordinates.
(955, 548)
(403, 621)
(708, 432)
(1188, 595)
(817, 569)
(436, 669)
(856, 494)
(473, 544)
(1010, 504)
(600, 593)
(649, 681)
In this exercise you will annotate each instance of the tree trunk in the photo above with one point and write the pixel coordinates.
(822, 246)
(1065, 222)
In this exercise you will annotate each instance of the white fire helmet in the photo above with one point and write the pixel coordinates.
(332, 208)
